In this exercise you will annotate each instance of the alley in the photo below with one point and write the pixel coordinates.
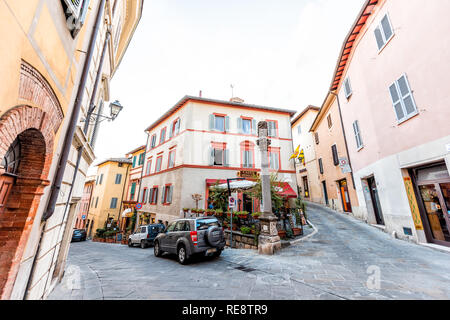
(345, 259)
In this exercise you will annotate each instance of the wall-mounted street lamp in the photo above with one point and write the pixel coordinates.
(115, 108)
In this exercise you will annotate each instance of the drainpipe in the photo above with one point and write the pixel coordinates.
(140, 182)
(74, 118)
(67, 140)
(345, 137)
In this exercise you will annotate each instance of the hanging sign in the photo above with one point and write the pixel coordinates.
(232, 202)
(248, 174)
(345, 166)
(138, 206)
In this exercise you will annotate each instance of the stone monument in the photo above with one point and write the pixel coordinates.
(269, 241)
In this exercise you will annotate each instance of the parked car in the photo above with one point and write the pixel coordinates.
(188, 237)
(145, 235)
(79, 235)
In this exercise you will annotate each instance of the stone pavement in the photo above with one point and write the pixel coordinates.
(345, 259)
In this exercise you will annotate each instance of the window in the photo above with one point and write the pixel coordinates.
(144, 195)
(96, 203)
(133, 190)
(272, 128)
(101, 179)
(171, 227)
(75, 11)
(320, 166)
(316, 137)
(167, 194)
(219, 123)
(359, 143)
(158, 164)
(154, 195)
(134, 161)
(149, 167)
(113, 203)
(247, 159)
(335, 155)
(402, 99)
(153, 144)
(219, 155)
(347, 88)
(171, 163)
(163, 136)
(330, 122)
(246, 126)
(383, 32)
(299, 129)
(120, 164)
(174, 128)
(118, 178)
(141, 159)
(274, 160)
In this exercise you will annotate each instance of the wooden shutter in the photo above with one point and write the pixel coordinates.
(239, 125)
(321, 166)
(171, 129)
(316, 137)
(211, 156)
(387, 28)
(359, 142)
(254, 127)
(169, 196)
(335, 155)
(250, 158)
(402, 99)
(379, 38)
(348, 88)
(163, 196)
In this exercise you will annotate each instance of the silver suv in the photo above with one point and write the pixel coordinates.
(187, 237)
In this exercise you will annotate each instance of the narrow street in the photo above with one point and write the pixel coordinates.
(335, 263)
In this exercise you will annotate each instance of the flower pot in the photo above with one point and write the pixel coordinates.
(282, 234)
(297, 231)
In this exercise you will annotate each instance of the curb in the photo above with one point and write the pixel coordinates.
(306, 237)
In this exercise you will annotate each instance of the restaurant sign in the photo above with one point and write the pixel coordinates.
(248, 174)
(413, 203)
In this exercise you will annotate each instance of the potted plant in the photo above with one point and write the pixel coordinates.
(256, 215)
(297, 231)
(219, 212)
(185, 210)
(253, 229)
(282, 234)
(245, 230)
(242, 214)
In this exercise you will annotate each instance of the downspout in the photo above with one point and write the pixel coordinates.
(74, 118)
(68, 139)
(345, 137)
(140, 182)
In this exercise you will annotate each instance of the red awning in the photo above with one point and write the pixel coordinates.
(211, 182)
(287, 191)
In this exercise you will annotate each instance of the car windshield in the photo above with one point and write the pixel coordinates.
(206, 223)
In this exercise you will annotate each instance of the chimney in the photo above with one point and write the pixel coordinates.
(200, 94)
(237, 100)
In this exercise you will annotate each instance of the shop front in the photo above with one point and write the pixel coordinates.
(432, 186)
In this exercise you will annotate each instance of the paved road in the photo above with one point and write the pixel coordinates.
(345, 259)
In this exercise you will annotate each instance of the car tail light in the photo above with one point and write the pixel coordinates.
(148, 235)
(194, 237)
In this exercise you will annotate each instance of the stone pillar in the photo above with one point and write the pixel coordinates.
(269, 241)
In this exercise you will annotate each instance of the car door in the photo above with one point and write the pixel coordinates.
(164, 239)
(142, 234)
(174, 235)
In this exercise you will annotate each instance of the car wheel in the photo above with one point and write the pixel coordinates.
(182, 255)
(217, 253)
(130, 244)
(157, 250)
(143, 244)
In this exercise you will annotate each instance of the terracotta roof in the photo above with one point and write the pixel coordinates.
(187, 98)
(119, 160)
(137, 149)
(347, 47)
(301, 114)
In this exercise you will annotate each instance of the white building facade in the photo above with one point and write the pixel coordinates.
(200, 142)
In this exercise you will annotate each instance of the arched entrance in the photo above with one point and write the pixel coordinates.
(25, 159)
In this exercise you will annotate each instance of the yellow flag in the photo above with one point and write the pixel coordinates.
(295, 155)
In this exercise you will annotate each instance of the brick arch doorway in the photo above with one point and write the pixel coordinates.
(25, 158)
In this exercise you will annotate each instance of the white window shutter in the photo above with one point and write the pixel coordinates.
(227, 158)
(169, 196)
(387, 28)
(347, 87)
(170, 130)
(163, 200)
(211, 156)
(379, 38)
(254, 127)
(211, 122)
(395, 96)
(239, 125)
(227, 124)
(250, 158)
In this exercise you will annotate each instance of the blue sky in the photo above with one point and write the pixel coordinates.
(278, 53)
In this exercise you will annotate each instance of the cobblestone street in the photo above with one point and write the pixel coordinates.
(340, 261)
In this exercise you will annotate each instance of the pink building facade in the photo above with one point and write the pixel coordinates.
(393, 87)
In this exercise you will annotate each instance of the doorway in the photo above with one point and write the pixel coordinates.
(248, 203)
(375, 201)
(325, 193)
(433, 188)
(306, 186)
(345, 198)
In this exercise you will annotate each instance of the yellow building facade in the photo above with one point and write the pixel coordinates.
(109, 190)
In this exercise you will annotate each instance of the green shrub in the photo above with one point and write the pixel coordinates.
(245, 230)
